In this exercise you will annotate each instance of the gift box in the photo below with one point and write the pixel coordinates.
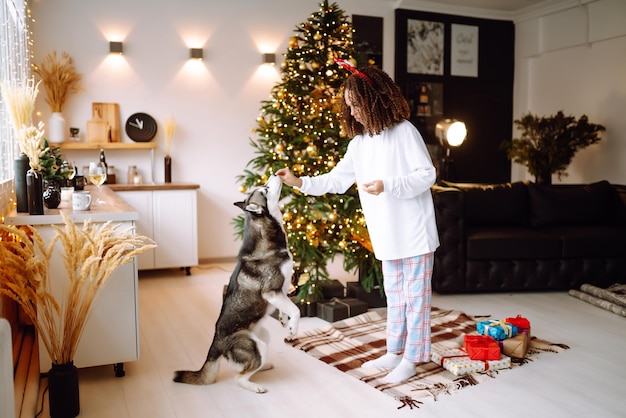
(332, 289)
(522, 324)
(373, 299)
(338, 309)
(458, 362)
(481, 347)
(497, 329)
(515, 346)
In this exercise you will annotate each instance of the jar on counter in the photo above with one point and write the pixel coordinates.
(132, 173)
(111, 178)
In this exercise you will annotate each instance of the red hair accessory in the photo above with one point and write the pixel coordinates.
(346, 65)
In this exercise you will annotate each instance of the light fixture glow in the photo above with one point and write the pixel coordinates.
(196, 53)
(451, 132)
(116, 48)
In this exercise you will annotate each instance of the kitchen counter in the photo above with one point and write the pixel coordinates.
(153, 186)
(113, 208)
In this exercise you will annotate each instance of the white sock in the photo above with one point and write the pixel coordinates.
(403, 371)
(388, 361)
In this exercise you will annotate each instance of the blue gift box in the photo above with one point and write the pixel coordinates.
(499, 330)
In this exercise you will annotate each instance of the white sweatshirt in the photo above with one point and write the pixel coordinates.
(401, 220)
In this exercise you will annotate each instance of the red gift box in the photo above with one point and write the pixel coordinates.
(522, 324)
(482, 347)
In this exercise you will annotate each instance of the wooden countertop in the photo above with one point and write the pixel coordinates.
(114, 208)
(152, 186)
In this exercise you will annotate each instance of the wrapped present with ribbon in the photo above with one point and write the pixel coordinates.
(498, 329)
(515, 347)
(481, 347)
(338, 309)
(522, 324)
(332, 289)
(458, 362)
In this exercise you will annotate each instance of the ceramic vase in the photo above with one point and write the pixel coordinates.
(168, 169)
(21, 191)
(34, 186)
(56, 128)
(63, 393)
(52, 194)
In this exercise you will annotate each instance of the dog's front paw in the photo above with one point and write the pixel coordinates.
(283, 318)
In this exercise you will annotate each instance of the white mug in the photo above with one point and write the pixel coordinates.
(81, 200)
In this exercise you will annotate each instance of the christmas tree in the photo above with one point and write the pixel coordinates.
(299, 128)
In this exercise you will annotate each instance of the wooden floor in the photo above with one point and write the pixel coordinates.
(177, 316)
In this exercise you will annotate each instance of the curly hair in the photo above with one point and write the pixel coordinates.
(380, 95)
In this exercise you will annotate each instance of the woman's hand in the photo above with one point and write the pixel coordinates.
(288, 178)
(375, 187)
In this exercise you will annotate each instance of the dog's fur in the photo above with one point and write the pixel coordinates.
(257, 286)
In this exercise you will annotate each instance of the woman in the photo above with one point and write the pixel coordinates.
(389, 162)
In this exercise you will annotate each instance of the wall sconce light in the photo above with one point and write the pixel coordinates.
(196, 53)
(116, 48)
(451, 134)
(269, 58)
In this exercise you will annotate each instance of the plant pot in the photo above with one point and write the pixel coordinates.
(63, 394)
(543, 179)
(34, 185)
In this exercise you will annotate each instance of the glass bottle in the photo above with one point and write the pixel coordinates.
(132, 172)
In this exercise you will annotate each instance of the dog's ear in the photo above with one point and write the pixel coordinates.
(250, 207)
(254, 209)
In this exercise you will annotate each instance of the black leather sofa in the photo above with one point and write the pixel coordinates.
(527, 237)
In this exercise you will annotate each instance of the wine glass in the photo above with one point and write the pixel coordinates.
(97, 175)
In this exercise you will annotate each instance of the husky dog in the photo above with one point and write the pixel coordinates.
(257, 286)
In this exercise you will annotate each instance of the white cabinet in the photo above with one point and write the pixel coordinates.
(170, 218)
(111, 334)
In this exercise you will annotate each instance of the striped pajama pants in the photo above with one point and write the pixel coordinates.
(409, 295)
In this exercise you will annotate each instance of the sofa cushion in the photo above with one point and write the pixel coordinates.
(569, 204)
(589, 241)
(511, 243)
(495, 204)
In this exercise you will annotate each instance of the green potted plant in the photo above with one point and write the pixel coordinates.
(548, 144)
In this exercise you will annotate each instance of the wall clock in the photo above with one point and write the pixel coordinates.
(141, 127)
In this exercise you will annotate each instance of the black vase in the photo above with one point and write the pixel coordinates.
(34, 185)
(168, 169)
(21, 192)
(63, 395)
(52, 195)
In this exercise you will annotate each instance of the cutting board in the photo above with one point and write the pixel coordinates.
(110, 113)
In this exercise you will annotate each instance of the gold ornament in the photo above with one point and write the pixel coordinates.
(317, 36)
(293, 42)
(311, 150)
(279, 147)
(302, 66)
(242, 189)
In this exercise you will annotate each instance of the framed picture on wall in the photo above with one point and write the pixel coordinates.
(424, 47)
(463, 50)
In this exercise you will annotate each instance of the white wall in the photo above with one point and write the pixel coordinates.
(215, 103)
(574, 60)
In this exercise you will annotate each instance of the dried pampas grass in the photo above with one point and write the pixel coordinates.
(91, 254)
(59, 78)
(170, 126)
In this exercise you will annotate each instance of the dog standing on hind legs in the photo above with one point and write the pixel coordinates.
(258, 285)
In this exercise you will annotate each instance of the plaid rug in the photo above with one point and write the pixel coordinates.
(349, 343)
